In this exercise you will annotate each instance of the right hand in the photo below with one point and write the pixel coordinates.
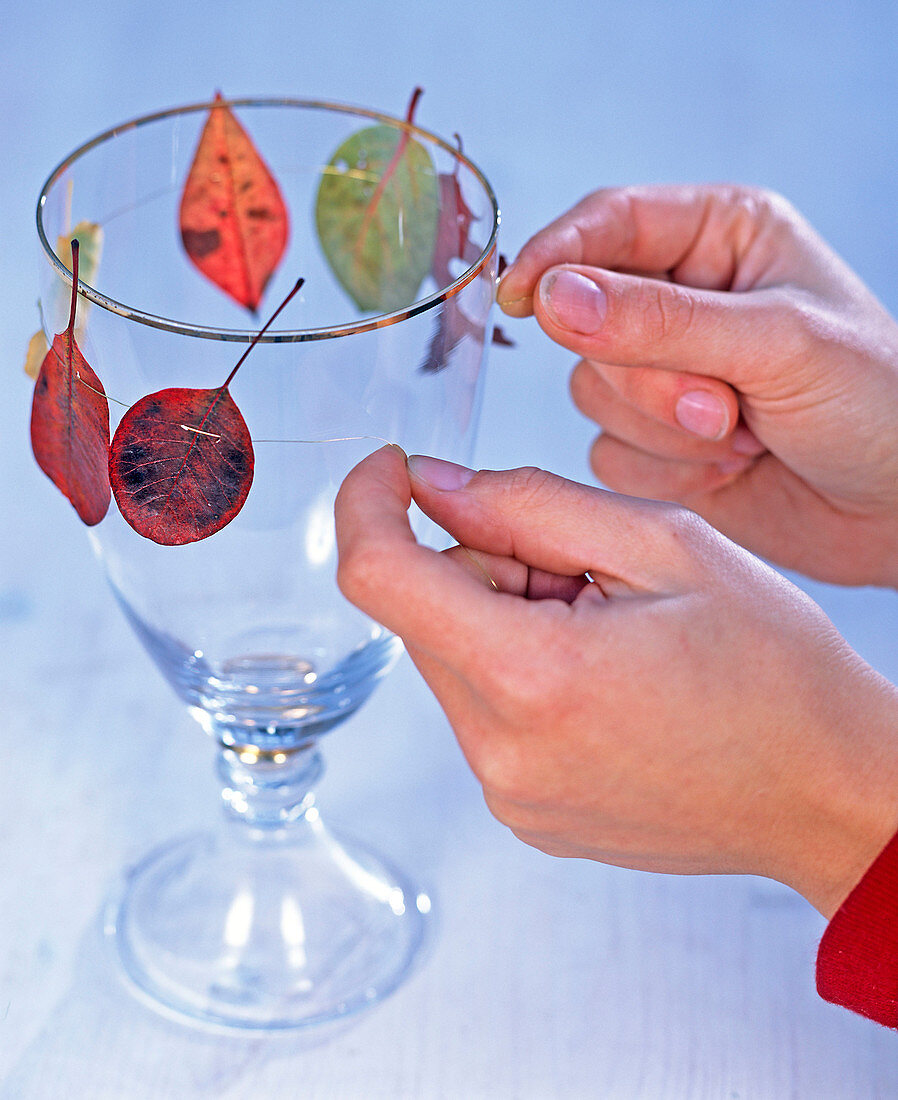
(628, 685)
(727, 292)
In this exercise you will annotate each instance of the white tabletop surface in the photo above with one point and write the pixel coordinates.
(545, 978)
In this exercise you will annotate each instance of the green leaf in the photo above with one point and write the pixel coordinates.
(376, 215)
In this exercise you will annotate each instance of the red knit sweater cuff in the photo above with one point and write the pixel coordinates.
(857, 961)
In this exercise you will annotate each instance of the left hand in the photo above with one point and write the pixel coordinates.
(735, 364)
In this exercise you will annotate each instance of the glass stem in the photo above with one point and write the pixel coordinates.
(268, 790)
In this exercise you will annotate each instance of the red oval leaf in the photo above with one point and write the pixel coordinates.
(453, 241)
(181, 464)
(233, 220)
(70, 428)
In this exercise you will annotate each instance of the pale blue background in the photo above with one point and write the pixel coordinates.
(552, 100)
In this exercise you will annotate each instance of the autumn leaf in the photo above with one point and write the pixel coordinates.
(453, 246)
(90, 239)
(70, 421)
(181, 463)
(233, 221)
(453, 240)
(376, 214)
(34, 356)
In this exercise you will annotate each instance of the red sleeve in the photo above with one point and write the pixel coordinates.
(857, 962)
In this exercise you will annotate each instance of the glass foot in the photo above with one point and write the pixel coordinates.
(251, 930)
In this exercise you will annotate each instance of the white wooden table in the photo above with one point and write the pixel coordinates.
(544, 978)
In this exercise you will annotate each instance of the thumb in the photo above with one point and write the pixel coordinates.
(628, 320)
(554, 525)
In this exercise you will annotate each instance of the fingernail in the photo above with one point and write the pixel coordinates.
(703, 414)
(573, 301)
(439, 474)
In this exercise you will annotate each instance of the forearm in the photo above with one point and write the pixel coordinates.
(843, 807)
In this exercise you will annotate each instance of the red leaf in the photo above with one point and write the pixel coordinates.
(181, 464)
(453, 243)
(70, 421)
(233, 220)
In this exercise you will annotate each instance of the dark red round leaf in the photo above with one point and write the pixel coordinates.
(70, 428)
(181, 464)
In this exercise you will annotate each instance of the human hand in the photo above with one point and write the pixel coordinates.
(688, 710)
(734, 363)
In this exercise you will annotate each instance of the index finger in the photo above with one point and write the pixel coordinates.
(646, 230)
(425, 597)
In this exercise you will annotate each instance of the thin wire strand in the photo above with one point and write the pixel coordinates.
(335, 439)
(100, 393)
(480, 567)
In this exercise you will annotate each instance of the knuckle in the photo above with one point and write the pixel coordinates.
(605, 471)
(587, 387)
(540, 681)
(812, 326)
(496, 756)
(812, 332)
(806, 333)
(360, 574)
(668, 315)
(529, 487)
(772, 205)
(532, 823)
(502, 809)
(754, 204)
(750, 213)
(503, 771)
(679, 531)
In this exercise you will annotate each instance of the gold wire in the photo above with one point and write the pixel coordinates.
(479, 565)
(99, 393)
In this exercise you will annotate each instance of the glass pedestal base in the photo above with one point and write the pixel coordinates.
(266, 930)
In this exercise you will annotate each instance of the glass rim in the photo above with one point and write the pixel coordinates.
(276, 336)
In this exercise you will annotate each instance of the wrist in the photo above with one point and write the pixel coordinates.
(849, 809)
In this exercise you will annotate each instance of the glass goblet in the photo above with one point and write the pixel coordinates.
(270, 921)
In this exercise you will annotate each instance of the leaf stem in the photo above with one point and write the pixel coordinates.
(404, 139)
(412, 104)
(223, 388)
(261, 333)
(70, 328)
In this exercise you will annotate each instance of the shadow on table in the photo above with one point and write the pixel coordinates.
(102, 1042)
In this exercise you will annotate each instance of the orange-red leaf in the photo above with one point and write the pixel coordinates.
(233, 220)
(70, 428)
(70, 421)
